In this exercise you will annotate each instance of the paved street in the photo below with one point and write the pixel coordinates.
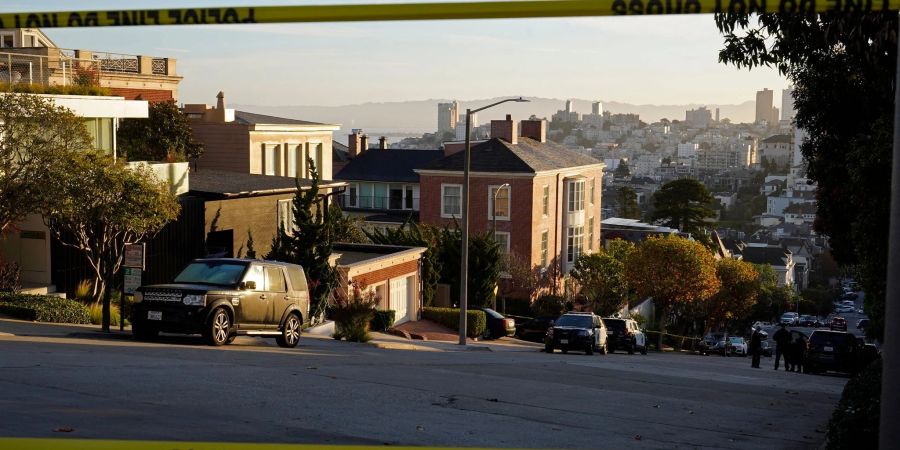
(340, 393)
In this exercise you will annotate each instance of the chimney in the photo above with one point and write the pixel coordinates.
(354, 145)
(383, 143)
(219, 113)
(364, 143)
(535, 129)
(505, 129)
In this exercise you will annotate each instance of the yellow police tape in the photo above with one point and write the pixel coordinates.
(427, 11)
(103, 444)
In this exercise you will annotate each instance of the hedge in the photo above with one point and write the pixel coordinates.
(476, 322)
(41, 308)
(854, 423)
(384, 319)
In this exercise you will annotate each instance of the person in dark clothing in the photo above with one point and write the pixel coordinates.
(796, 351)
(755, 347)
(782, 338)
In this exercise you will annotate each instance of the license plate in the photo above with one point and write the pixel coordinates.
(154, 315)
(829, 349)
(563, 341)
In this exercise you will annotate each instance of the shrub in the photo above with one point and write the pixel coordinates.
(9, 277)
(854, 424)
(96, 310)
(42, 308)
(383, 319)
(549, 305)
(353, 313)
(85, 290)
(476, 322)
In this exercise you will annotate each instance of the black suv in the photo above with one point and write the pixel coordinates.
(222, 298)
(837, 351)
(577, 331)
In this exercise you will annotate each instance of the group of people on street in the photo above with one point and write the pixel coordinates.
(788, 345)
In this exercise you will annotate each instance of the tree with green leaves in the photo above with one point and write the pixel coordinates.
(686, 205)
(485, 259)
(100, 206)
(602, 279)
(628, 205)
(310, 241)
(165, 135)
(677, 273)
(347, 228)
(36, 135)
(622, 170)
(842, 66)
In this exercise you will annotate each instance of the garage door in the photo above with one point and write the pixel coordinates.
(400, 299)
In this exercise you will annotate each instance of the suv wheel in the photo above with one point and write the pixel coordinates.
(290, 332)
(644, 349)
(548, 348)
(630, 348)
(589, 350)
(219, 328)
(605, 349)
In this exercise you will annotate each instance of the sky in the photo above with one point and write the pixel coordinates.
(639, 60)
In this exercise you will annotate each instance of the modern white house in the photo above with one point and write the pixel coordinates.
(28, 244)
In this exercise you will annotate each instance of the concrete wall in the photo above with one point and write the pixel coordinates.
(258, 214)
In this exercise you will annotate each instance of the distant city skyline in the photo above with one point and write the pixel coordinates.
(638, 60)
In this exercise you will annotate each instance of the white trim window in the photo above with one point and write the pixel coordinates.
(575, 243)
(271, 155)
(351, 197)
(286, 215)
(576, 195)
(293, 159)
(502, 238)
(503, 202)
(451, 200)
(545, 200)
(590, 235)
(593, 184)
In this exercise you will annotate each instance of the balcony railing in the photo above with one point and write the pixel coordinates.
(386, 203)
(62, 67)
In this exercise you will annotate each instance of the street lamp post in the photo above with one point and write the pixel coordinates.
(464, 264)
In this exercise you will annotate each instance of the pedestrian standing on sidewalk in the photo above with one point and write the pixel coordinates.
(782, 339)
(755, 347)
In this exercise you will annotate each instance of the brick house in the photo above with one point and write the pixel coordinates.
(548, 197)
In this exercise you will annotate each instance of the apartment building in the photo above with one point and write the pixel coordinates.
(245, 142)
(777, 149)
(548, 198)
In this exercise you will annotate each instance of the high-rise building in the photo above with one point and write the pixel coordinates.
(787, 104)
(570, 107)
(699, 118)
(764, 109)
(597, 108)
(461, 126)
(447, 114)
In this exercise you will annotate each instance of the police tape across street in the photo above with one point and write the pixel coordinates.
(429, 11)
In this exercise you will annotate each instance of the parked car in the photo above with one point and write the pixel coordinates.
(624, 334)
(223, 297)
(838, 323)
(790, 318)
(577, 331)
(535, 329)
(738, 346)
(809, 321)
(862, 324)
(707, 345)
(844, 309)
(497, 326)
(838, 351)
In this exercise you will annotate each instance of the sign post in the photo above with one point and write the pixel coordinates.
(133, 261)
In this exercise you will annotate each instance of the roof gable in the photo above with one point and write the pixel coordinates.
(527, 156)
(388, 165)
(249, 118)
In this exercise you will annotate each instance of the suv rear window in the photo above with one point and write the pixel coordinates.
(831, 338)
(572, 320)
(615, 324)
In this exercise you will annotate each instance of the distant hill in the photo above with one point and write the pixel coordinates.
(420, 116)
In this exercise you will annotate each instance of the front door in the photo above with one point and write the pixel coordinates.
(255, 304)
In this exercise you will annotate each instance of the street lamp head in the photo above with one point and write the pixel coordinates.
(521, 100)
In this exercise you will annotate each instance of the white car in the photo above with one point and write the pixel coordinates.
(790, 318)
(844, 309)
(738, 345)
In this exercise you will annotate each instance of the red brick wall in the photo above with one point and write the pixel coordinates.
(521, 200)
(150, 95)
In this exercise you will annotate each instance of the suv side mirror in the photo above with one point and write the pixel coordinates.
(247, 285)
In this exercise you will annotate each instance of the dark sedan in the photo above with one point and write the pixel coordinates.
(535, 329)
(497, 326)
